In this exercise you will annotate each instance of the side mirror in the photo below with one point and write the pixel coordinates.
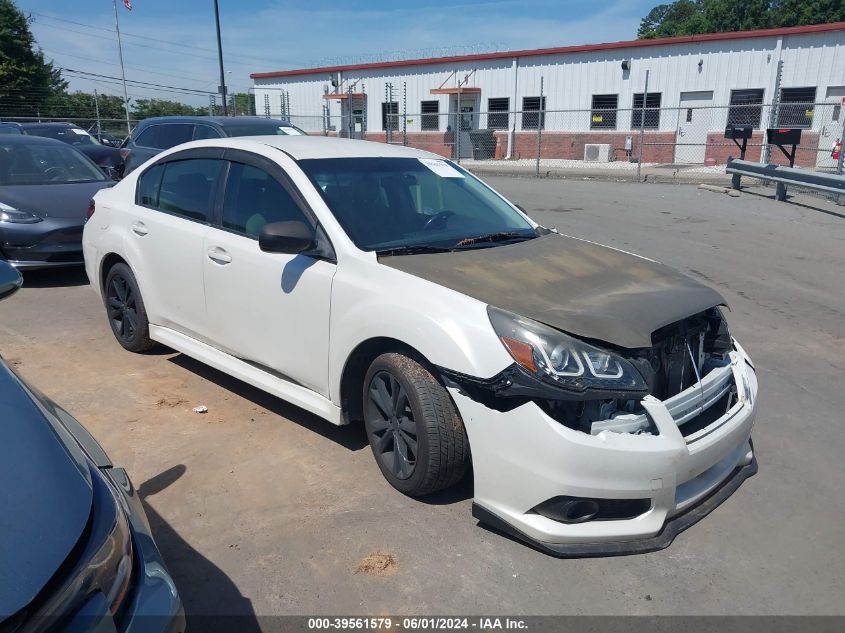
(292, 237)
(10, 279)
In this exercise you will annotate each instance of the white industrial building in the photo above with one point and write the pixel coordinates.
(590, 94)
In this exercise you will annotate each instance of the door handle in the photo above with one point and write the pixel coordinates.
(219, 255)
(139, 228)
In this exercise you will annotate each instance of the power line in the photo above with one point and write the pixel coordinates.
(105, 63)
(135, 81)
(147, 37)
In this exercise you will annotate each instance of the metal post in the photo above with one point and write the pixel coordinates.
(97, 111)
(540, 117)
(220, 59)
(458, 122)
(841, 199)
(122, 72)
(642, 128)
(766, 150)
(210, 105)
(404, 113)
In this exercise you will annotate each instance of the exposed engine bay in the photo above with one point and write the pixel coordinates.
(682, 353)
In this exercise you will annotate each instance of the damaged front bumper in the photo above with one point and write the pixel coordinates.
(699, 455)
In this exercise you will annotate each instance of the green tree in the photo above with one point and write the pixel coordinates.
(800, 12)
(693, 17)
(26, 79)
(145, 108)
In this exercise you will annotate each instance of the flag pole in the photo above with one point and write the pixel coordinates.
(122, 71)
(222, 88)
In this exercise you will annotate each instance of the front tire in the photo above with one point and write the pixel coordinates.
(125, 309)
(416, 434)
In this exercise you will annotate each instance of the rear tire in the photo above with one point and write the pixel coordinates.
(417, 436)
(125, 310)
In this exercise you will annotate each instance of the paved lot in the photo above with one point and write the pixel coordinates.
(261, 508)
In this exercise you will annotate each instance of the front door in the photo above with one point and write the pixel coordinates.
(695, 117)
(831, 118)
(464, 121)
(268, 309)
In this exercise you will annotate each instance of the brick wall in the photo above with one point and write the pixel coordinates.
(435, 142)
(659, 146)
(719, 148)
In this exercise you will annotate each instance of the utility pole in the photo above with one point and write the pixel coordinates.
(122, 71)
(97, 110)
(222, 88)
(642, 128)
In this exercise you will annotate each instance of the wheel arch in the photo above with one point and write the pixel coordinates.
(356, 366)
(106, 264)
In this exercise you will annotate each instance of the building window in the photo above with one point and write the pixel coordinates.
(390, 116)
(746, 107)
(430, 119)
(498, 115)
(796, 107)
(652, 116)
(603, 112)
(533, 113)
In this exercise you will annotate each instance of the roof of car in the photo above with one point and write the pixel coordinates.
(306, 147)
(26, 139)
(57, 124)
(219, 120)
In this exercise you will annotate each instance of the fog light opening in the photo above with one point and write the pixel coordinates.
(578, 510)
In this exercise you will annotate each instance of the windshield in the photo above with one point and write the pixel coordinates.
(69, 135)
(394, 203)
(9, 129)
(44, 164)
(270, 128)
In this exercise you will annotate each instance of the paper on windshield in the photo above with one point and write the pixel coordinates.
(290, 131)
(441, 168)
(80, 132)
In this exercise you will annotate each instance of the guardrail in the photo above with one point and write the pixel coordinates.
(783, 176)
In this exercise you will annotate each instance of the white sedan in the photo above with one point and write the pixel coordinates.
(597, 395)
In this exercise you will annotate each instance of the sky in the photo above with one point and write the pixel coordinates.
(172, 42)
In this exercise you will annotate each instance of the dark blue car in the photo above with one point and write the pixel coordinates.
(45, 189)
(76, 552)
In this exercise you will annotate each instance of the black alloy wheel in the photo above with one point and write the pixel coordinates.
(390, 420)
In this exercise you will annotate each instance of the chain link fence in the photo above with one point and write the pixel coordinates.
(689, 138)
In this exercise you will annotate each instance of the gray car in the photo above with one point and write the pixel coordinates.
(46, 187)
(157, 134)
(76, 551)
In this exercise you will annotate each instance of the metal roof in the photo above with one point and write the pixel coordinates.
(686, 39)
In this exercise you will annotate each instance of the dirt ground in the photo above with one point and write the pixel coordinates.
(260, 508)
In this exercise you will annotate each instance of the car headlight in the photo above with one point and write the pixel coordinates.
(109, 568)
(563, 360)
(16, 216)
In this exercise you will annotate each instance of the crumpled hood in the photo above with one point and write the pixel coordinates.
(576, 286)
(69, 201)
(45, 496)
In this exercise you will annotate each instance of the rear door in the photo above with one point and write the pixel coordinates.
(269, 309)
(174, 207)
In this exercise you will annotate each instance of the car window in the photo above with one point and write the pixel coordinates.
(69, 135)
(188, 186)
(51, 164)
(147, 137)
(385, 203)
(262, 128)
(205, 131)
(254, 198)
(165, 135)
(149, 185)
